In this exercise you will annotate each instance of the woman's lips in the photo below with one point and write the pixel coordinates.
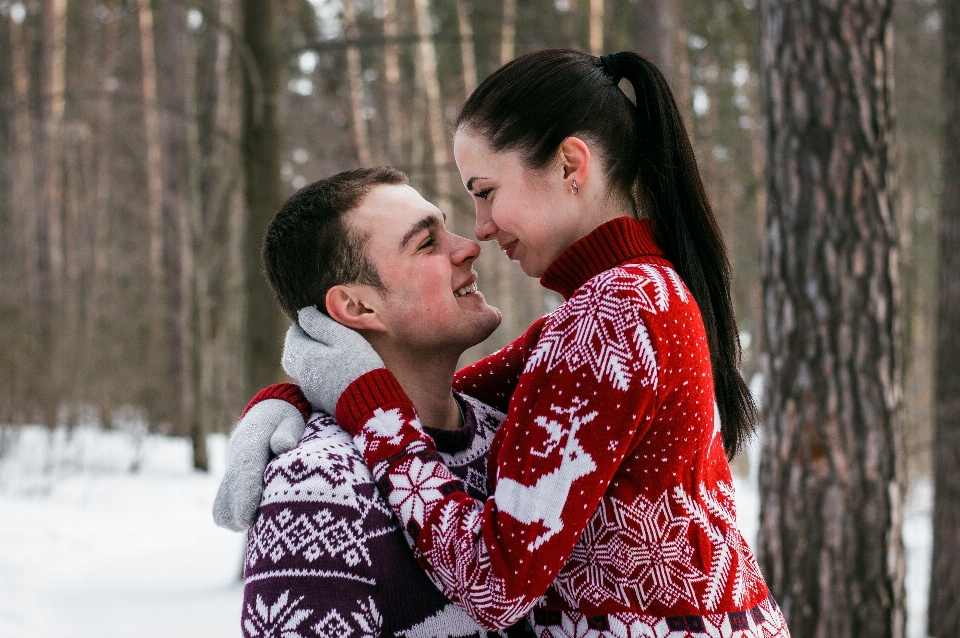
(510, 248)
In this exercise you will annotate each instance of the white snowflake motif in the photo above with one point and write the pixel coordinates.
(281, 619)
(368, 619)
(632, 554)
(601, 328)
(415, 484)
(460, 567)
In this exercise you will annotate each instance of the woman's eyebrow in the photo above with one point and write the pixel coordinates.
(471, 181)
(428, 222)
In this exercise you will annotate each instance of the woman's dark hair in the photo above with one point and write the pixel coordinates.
(531, 104)
(309, 247)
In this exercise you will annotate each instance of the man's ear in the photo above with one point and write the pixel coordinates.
(354, 306)
(575, 157)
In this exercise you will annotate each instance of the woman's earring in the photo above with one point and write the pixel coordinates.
(575, 188)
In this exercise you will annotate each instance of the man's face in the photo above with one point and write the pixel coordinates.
(431, 301)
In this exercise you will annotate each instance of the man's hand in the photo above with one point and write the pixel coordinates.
(271, 424)
(325, 357)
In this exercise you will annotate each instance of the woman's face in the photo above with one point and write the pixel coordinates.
(529, 214)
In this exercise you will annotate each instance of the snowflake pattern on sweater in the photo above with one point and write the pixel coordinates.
(613, 496)
(326, 556)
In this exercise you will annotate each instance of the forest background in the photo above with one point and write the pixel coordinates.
(147, 145)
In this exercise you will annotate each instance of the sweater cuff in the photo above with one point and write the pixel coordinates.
(288, 392)
(375, 389)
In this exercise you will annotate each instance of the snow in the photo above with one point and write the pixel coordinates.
(89, 548)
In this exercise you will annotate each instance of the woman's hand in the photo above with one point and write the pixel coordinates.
(325, 357)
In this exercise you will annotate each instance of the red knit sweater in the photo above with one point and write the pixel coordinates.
(613, 500)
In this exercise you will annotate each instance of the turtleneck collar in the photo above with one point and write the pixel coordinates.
(608, 245)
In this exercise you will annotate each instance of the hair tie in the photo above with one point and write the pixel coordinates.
(611, 67)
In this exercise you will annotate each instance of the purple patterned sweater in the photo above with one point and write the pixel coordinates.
(327, 557)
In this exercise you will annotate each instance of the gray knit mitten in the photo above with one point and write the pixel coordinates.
(271, 424)
(325, 357)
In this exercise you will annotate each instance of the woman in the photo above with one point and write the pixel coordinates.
(612, 510)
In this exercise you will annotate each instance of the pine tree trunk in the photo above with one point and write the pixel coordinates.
(56, 46)
(262, 149)
(23, 181)
(596, 27)
(508, 31)
(434, 106)
(391, 66)
(467, 55)
(656, 38)
(361, 136)
(831, 473)
(154, 163)
(944, 607)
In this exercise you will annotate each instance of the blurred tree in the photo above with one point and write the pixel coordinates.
(944, 607)
(262, 151)
(831, 474)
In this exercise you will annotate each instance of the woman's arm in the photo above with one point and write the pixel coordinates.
(581, 401)
(493, 379)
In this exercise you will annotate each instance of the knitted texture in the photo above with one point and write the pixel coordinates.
(288, 392)
(326, 556)
(613, 501)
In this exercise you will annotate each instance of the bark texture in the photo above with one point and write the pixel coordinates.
(944, 609)
(830, 479)
(262, 148)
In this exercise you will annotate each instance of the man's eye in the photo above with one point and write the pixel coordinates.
(483, 194)
(427, 243)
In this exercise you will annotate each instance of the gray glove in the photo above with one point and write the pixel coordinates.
(272, 424)
(325, 357)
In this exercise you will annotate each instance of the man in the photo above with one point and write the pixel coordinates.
(326, 556)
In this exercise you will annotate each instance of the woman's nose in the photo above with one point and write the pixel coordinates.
(485, 228)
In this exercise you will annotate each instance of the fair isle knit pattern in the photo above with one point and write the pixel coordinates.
(612, 512)
(326, 557)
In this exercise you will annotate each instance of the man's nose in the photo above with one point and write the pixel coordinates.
(465, 251)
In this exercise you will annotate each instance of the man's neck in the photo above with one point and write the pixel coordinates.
(428, 381)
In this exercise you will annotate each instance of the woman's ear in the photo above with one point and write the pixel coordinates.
(575, 157)
(354, 306)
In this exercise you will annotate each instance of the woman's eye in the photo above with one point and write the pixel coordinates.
(483, 194)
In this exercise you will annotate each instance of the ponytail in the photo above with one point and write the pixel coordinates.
(531, 104)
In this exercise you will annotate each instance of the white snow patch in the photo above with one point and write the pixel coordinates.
(90, 549)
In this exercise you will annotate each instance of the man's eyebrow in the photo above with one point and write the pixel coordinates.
(428, 222)
(471, 181)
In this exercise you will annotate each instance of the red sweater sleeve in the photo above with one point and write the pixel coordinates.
(288, 392)
(493, 379)
(585, 395)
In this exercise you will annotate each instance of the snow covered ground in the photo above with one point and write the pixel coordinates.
(89, 548)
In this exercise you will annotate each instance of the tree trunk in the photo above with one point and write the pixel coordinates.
(596, 27)
(262, 149)
(154, 164)
(391, 65)
(508, 32)
(23, 180)
(944, 609)
(467, 55)
(361, 136)
(831, 474)
(56, 45)
(656, 38)
(434, 106)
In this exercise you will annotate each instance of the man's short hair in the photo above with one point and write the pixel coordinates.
(309, 247)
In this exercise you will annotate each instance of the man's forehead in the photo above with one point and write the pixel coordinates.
(389, 212)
